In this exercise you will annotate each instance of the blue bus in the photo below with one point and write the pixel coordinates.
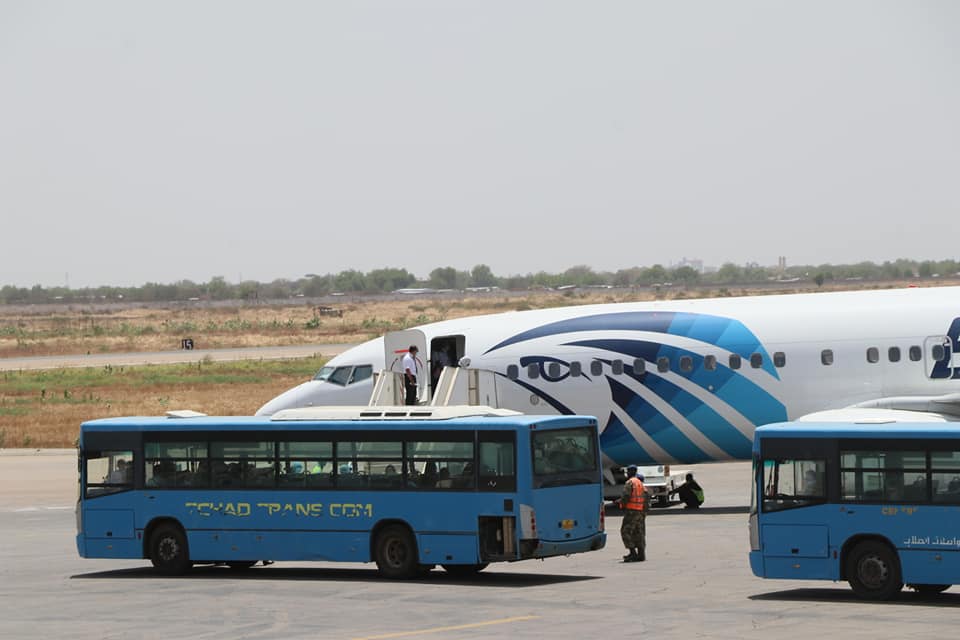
(408, 488)
(877, 505)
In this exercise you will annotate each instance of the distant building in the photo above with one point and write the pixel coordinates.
(693, 263)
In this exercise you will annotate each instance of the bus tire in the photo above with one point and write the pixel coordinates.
(396, 552)
(168, 550)
(464, 570)
(873, 571)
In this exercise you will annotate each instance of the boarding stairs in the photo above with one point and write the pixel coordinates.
(457, 386)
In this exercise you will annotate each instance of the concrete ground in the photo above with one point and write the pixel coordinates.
(695, 584)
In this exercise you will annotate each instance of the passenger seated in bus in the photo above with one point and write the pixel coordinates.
(121, 474)
(443, 479)
(429, 477)
(811, 484)
(164, 473)
(465, 479)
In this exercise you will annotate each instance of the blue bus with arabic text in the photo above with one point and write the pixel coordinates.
(876, 504)
(406, 487)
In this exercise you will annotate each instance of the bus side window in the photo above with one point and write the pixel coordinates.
(497, 459)
(108, 472)
(788, 484)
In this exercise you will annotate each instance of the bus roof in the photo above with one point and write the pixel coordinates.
(871, 429)
(304, 420)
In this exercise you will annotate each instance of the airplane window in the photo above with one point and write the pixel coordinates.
(575, 369)
(826, 356)
(639, 366)
(340, 376)
(533, 371)
(756, 360)
(596, 367)
(734, 361)
(779, 359)
(361, 372)
(513, 372)
(939, 353)
(554, 369)
(893, 353)
(617, 367)
(710, 363)
(915, 353)
(324, 373)
(686, 363)
(663, 364)
(873, 355)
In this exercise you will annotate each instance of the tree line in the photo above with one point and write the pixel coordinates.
(481, 276)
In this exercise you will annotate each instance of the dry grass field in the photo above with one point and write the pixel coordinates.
(45, 408)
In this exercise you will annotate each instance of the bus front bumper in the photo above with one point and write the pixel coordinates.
(548, 548)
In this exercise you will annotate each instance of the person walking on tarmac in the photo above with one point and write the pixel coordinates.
(633, 530)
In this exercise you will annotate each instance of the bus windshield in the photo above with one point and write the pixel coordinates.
(564, 457)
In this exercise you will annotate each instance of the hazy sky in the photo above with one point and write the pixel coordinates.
(159, 141)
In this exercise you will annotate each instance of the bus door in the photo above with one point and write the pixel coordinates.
(938, 357)
(396, 344)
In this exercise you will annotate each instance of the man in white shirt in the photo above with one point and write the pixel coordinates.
(411, 373)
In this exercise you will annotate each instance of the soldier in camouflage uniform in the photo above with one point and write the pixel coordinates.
(633, 530)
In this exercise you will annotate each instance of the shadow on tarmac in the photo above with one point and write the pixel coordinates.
(680, 511)
(437, 576)
(906, 597)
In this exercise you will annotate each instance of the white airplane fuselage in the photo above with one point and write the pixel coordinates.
(689, 380)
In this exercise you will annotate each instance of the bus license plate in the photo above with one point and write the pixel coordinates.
(567, 524)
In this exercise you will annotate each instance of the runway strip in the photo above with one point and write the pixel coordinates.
(170, 357)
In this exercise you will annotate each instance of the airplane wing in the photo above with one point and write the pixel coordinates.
(944, 408)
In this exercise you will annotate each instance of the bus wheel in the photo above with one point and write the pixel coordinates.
(929, 589)
(396, 552)
(168, 550)
(873, 571)
(240, 566)
(464, 570)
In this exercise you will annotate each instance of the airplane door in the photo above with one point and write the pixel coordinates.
(938, 356)
(396, 344)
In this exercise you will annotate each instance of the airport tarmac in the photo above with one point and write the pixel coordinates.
(696, 583)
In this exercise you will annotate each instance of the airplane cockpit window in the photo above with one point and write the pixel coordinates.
(361, 372)
(873, 355)
(893, 353)
(324, 373)
(915, 353)
(340, 376)
(735, 361)
(826, 357)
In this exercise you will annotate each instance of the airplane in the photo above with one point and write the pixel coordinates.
(687, 381)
